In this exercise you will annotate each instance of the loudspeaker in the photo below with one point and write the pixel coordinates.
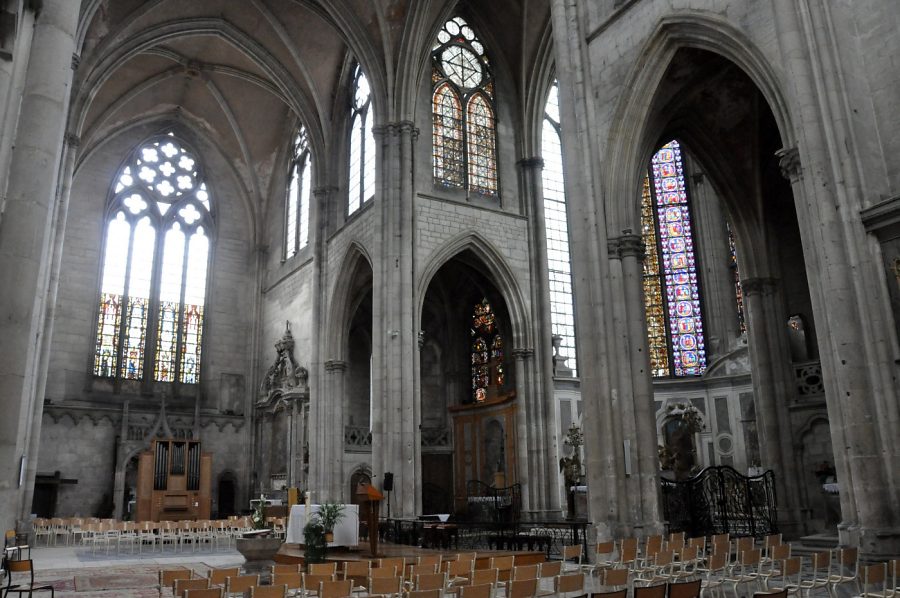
(388, 481)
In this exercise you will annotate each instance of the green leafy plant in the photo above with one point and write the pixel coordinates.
(259, 513)
(329, 514)
(315, 546)
(571, 466)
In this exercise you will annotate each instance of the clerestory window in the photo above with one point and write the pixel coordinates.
(158, 236)
(296, 205)
(362, 144)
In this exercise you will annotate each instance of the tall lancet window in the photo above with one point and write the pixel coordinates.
(671, 280)
(557, 229)
(296, 207)
(155, 264)
(362, 144)
(464, 133)
(487, 354)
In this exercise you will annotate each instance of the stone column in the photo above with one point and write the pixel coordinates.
(332, 462)
(25, 245)
(773, 390)
(543, 493)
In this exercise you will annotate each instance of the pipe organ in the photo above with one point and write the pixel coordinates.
(174, 479)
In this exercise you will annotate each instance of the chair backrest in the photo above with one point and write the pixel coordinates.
(894, 572)
(413, 570)
(688, 554)
(525, 572)
(551, 568)
(720, 542)
(654, 591)
(717, 561)
(685, 589)
(502, 563)
(459, 568)
(218, 576)
(791, 566)
(874, 575)
(273, 591)
(481, 577)
(572, 552)
(564, 584)
(699, 542)
(431, 581)
(522, 588)
(779, 552)
(849, 557)
(653, 545)
(311, 582)
(750, 558)
(283, 568)
(665, 557)
(395, 562)
(481, 590)
(167, 577)
(613, 594)
(356, 569)
(385, 585)
(628, 550)
(241, 583)
(743, 545)
(383, 571)
(466, 556)
(430, 559)
(676, 539)
(322, 568)
(822, 560)
(775, 594)
(616, 576)
(294, 581)
(773, 540)
(335, 589)
(205, 593)
(181, 585)
(605, 548)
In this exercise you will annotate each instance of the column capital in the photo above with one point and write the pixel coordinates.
(394, 129)
(532, 162)
(626, 245)
(335, 365)
(76, 60)
(323, 190)
(759, 285)
(72, 140)
(522, 354)
(789, 162)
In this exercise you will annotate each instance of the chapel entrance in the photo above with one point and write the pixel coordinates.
(467, 387)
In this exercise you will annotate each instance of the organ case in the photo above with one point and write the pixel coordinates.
(174, 479)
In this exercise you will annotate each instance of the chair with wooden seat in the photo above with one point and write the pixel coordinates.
(430, 559)
(217, 577)
(466, 556)
(571, 583)
(686, 564)
(335, 589)
(205, 593)
(616, 577)
(675, 541)
(628, 552)
(167, 577)
(384, 586)
(384, 571)
(523, 588)
(525, 572)
(715, 572)
(657, 569)
(777, 554)
(873, 578)
(272, 591)
(685, 589)
(745, 570)
(547, 572)
(847, 570)
(503, 565)
(322, 569)
(182, 585)
(821, 571)
(400, 563)
(358, 571)
(785, 576)
(571, 557)
(892, 585)
(293, 582)
(481, 590)
(20, 586)
(459, 572)
(311, 583)
(652, 545)
(430, 581)
(412, 571)
(284, 568)
(604, 557)
(654, 591)
(237, 585)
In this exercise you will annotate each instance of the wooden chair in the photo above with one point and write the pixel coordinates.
(431, 581)
(892, 587)
(777, 555)
(167, 577)
(273, 591)
(385, 586)
(282, 568)
(657, 569)
(821, 571)
(481, 590)
(613, 594)
(293, 582)
(504, 566)
(322, 569)
(652, 545)
(412, 571)
(745, 570)
(460, 572)
(616, 577)
(548, 571)
(21, 587)
(400, 563)
(430, 559)
(686, 565)
(424, 594)
(873, 581)
(716, 571)
(570, 554)
(182, 585)
(628, 550)
(788, 571)
(603, 557)
(685, 589)
(217, 577)
(383, 571)
(525, 572)
(563, 585)
(358, 573)
(311, 583)
(848, 570)
(654, 591)
(523, 588)
(335, 589)
(239, 584)
(466, 556)
(207, 593)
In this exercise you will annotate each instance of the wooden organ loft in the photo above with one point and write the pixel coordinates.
(174, 481)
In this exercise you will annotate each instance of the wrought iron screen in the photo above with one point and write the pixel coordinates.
(721, 500)
(499, 505)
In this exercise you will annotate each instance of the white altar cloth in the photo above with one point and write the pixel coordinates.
(346, 532)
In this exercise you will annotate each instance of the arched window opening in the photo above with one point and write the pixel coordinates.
(671, 281)
(362, 144)
(296, 233)
(556, 226)
(736, 277)
(155, 264)
(487, 353)
(464, 141)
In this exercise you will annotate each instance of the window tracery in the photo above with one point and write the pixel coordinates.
(362, 144)
(464, 120)
(487, 353)
(155, 262)
(296, 234)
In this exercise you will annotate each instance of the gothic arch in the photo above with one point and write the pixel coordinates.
(500, 274)
(340, 312)
(629, 146)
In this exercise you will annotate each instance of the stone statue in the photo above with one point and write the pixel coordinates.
(285, 373)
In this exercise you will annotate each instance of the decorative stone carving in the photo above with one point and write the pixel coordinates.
(285, 374)
(789, 162)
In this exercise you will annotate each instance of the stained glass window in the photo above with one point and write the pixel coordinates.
(362, 144)
(557, 231)
(736, 276)
(464, 121)
(675, 297)
(296, 221)
(159, 197)
(488, 375)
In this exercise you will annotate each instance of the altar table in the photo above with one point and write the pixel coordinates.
(346, 532)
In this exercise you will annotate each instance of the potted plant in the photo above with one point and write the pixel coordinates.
(328, 515)
(315, 545)
(570, 467)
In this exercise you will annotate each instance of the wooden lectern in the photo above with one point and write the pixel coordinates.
(369, 498)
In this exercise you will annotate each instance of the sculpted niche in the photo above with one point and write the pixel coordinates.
(285, 376)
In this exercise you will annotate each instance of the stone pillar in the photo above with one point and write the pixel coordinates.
(773, 391)
(120, 465)
(12, 85)
(25, 246)
(331, 476)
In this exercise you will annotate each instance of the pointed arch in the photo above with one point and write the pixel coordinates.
(356, 257)
(500, 272)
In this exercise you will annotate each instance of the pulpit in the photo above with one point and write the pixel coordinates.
(369, 499)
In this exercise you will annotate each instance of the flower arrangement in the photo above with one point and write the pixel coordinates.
(687, 413)
(259, 513)
(571, 466)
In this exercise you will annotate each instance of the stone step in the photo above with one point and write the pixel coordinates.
(814, 543)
